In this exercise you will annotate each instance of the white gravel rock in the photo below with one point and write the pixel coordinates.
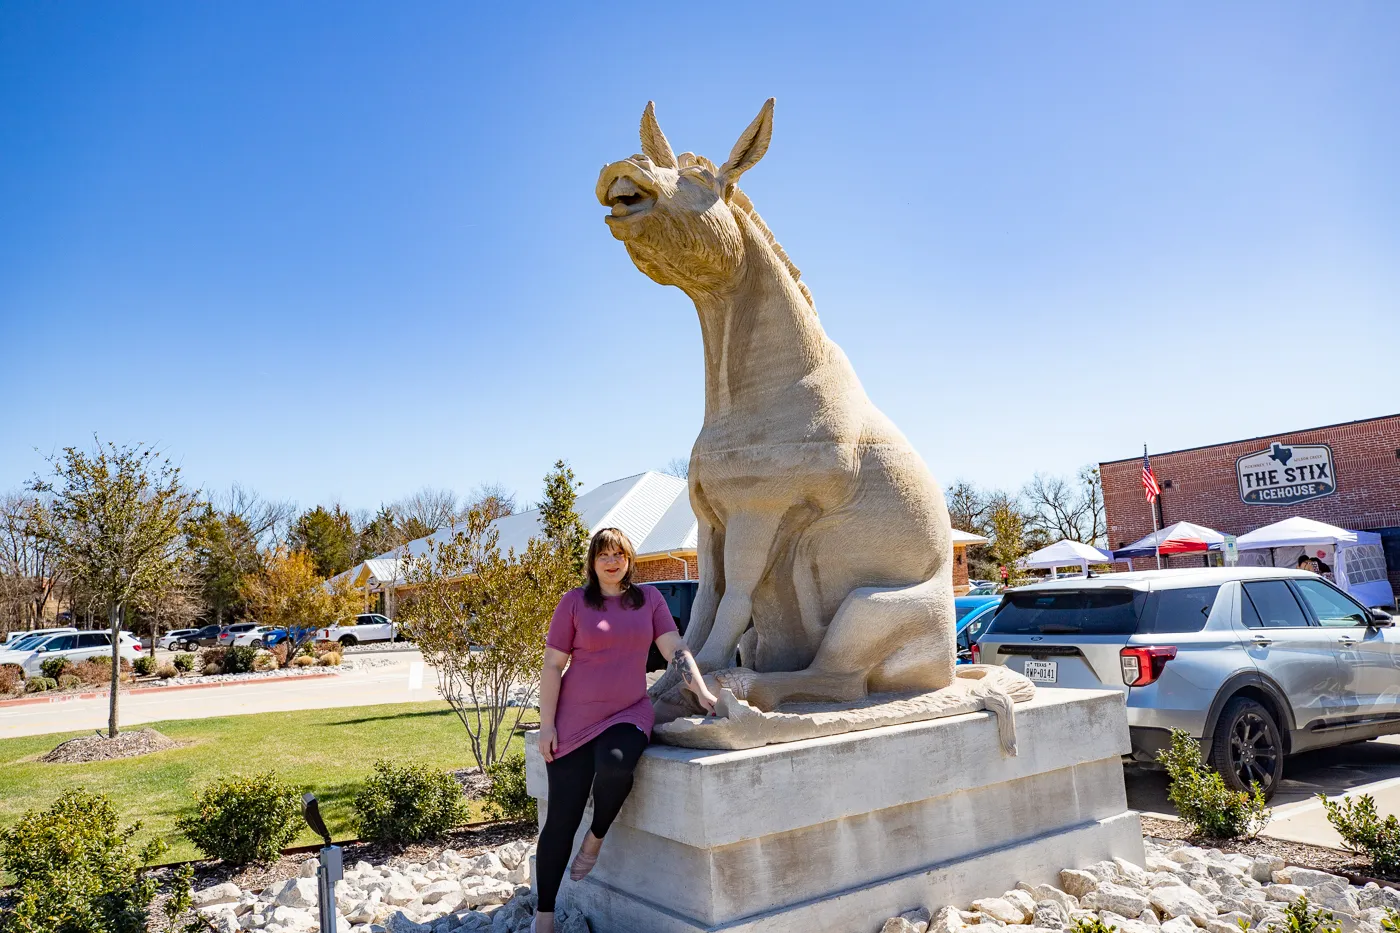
(1078, 883)
(226, 893)
(1000, 910)
(1180, 901)
(1117, 898)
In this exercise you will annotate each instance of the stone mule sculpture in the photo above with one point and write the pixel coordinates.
(824, 543)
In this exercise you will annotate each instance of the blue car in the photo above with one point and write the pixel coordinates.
(973, 614)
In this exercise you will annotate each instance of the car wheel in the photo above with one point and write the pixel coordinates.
(1247, 748)
(348, 641)
(258, 643)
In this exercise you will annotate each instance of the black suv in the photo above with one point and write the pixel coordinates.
(680, 596)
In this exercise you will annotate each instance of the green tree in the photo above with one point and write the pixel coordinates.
(114, 520)
(1007, 525)
(559, 521)
(328, 537)
(379, 535)
(223, 551)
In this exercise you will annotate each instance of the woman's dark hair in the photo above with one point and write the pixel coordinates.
(612, 539)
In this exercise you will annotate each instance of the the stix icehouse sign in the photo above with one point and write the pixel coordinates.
(1286, 474)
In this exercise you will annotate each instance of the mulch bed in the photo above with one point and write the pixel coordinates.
(88, 748)
(1322, 858)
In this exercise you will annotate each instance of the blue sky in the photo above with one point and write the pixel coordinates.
(340, 251)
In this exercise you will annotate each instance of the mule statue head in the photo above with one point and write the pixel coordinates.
(683, 220)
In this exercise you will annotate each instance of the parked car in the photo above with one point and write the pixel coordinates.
(680, 597)
(75, 647)
(1257, 663)
(171, 640)
(985, 589)
(258, 636)
(207, 637)
(370, 626)
(14, 638)
(230, 633)
(973, 613)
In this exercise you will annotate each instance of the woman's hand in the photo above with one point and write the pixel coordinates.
(549, 742)
(703, 694)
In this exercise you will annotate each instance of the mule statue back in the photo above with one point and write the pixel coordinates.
(825, 549)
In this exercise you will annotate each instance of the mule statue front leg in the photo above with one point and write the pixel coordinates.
(667, 696)
(747, 543)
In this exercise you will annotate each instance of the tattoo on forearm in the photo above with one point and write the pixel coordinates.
(681, 662)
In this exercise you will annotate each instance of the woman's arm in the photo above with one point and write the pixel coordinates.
(683, 663)
(550, 677)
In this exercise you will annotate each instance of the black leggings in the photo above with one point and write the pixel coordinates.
(604, 764)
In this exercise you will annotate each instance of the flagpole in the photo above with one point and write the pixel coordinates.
(1152, 507)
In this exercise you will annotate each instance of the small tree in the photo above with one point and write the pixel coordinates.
(480, 616)
(328, 536)
(114, 521)
(288, 593)
(1008, 532)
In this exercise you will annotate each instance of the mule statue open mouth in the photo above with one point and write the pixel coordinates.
(628, 193)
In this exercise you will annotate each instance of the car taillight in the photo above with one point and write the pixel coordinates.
(976, 653)
(1142, 666)
(135, 647)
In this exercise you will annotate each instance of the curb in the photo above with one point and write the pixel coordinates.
(74, 697)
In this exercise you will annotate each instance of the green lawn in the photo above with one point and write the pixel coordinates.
(326, 751)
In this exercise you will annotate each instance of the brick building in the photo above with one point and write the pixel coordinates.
(1221, 486)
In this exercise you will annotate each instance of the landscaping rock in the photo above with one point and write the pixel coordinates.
(1117, 898)
(297, 893)
(1000, 909)
(1173, 902)
(1078, 883)
(226, 893)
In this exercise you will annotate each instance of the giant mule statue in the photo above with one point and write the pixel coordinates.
(824, 543)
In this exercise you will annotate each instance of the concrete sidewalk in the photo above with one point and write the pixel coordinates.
(1306, 820)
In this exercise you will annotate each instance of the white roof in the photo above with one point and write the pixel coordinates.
(653, 509)
(1063, 554)
(967, 537)
(1294, 532)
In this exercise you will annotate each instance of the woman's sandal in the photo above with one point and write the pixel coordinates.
(583, 864)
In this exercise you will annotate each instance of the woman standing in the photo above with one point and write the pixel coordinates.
(596, 718)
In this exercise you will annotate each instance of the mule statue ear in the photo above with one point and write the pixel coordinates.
(752, 144)
(654, 144)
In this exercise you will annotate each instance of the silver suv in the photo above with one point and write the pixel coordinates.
(1257, 663)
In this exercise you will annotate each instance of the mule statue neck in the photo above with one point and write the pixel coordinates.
(760, 334)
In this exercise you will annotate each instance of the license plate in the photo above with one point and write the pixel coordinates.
(1042, 672)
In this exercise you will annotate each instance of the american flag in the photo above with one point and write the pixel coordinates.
(1149, 479)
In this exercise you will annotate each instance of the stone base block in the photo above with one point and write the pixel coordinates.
(838, 833)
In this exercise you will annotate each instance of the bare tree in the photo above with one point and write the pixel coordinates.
(677, 466)
(29, 577)
(268, 521)
(426, 511)
(494, 500)
(1067, 509)
(967, 507)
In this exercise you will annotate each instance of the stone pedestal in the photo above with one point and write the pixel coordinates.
(834, 835)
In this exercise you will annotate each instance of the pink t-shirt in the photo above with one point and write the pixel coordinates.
(606, 682)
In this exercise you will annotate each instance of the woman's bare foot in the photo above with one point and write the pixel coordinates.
(587, 857)
(543, 923)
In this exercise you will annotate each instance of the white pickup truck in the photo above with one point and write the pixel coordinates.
(369, 627)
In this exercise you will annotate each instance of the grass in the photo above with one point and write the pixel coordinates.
(328, 751)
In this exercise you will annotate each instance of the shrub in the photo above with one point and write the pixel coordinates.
(75, 870)
(54, 667)
(69, 681)
(212, 656)
(1204, 801)
(408, 803)
(330, 659)
(212, 670)
(166, 671)
(1390, 923)
(184, 663)
(1363, 831)
(1091, 925)
(1300, 917)
(94, 671)
(264, 661)
(239, 659)
(507, 798)
(40, 684)
(11, 678)
(243, 819)
(145, 666)
(280, 651)
(303, 660)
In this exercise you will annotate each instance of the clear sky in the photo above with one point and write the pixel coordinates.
(340, 251)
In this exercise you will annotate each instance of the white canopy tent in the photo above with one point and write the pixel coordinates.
(1065, 553)
(1355, 558)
